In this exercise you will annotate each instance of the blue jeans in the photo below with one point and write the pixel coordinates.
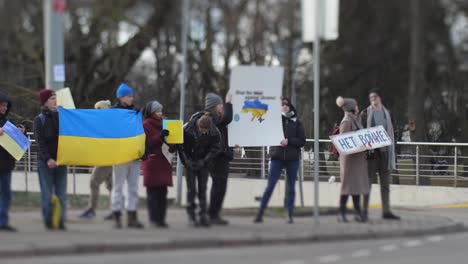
(52, 181)
(276, 166)
(5, 196)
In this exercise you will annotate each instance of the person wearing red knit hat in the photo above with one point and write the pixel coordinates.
(52, 177)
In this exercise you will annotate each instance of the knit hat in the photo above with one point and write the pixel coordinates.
(124, 90)
(103, 104)
(152, 107)
(212, 100)
(347, 104)
(45, 94)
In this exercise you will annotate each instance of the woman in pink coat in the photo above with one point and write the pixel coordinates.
(157, 170)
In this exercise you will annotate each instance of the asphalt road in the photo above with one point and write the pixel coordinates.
(427, 250)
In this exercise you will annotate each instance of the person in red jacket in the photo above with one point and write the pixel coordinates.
(157, 169)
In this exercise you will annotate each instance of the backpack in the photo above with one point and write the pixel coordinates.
(331, 147)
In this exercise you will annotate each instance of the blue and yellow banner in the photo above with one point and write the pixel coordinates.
(14, 141)
(101, 137)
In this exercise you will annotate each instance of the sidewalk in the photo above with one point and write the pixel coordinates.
(97, 236)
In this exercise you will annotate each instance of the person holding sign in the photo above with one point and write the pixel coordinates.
(381, 160)
(7, 164)
(287, 155)
(353, 167)
(221, 115)
(202, 142)
(157, 169)
(52, 177)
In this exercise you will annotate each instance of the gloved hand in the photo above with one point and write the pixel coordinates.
(200, 164)
(188, 165)
(164, 133)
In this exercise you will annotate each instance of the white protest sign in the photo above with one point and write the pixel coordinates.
(65, 98)
(361, 140)
(256, 93)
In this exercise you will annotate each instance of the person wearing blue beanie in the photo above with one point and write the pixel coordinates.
(124, 90)
(128, 172)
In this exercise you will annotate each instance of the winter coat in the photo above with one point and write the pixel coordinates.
(118, 105)
(46, 132)
(294, 131)
(353, 167)
(222, 125)
(198, 147)
(7, 162)
(157, 170)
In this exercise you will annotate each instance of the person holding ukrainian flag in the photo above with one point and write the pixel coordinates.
(52, 177)
(128, 172)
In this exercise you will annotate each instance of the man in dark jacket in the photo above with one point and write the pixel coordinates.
(52, 178)
(7, 164)
(287, 155)
(221, 115)
(382, 160)
(201, 145)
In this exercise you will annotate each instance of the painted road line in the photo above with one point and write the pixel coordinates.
(413, 243)
(361, 253)
(389, 248)
(434, 239)
(329, 258)
(294, 261)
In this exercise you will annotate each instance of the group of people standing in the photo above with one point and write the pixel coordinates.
(205, 152)
(358, 171)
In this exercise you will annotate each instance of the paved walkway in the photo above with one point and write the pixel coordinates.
(96, 236)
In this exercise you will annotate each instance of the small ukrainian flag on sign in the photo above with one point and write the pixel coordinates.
(102, 137)
(14, 141)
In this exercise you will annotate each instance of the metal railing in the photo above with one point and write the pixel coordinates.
(418, 163)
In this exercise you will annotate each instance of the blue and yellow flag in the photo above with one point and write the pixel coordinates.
(101, 137)
(14, 141)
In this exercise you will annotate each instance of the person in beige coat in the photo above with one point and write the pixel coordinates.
(353, 168)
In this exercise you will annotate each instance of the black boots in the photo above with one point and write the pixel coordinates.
(204, 222)
(117, 216)
(342, 211)
(390, 216)
(259, 216)
(290, 218)
(132, 220)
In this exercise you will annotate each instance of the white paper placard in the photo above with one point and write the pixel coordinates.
(361, 140)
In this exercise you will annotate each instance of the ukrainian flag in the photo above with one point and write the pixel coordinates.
(14, 141)
(101, 137)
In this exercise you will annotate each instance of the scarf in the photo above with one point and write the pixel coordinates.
(391, 148)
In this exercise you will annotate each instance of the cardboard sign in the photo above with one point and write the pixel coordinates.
(361, 140)
(256, 103)
(176, 131)
(65, 98)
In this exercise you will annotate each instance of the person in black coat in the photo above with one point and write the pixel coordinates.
(287, 155)
(52, 178)
(201, 145)
(7, 164)
(221, 115)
